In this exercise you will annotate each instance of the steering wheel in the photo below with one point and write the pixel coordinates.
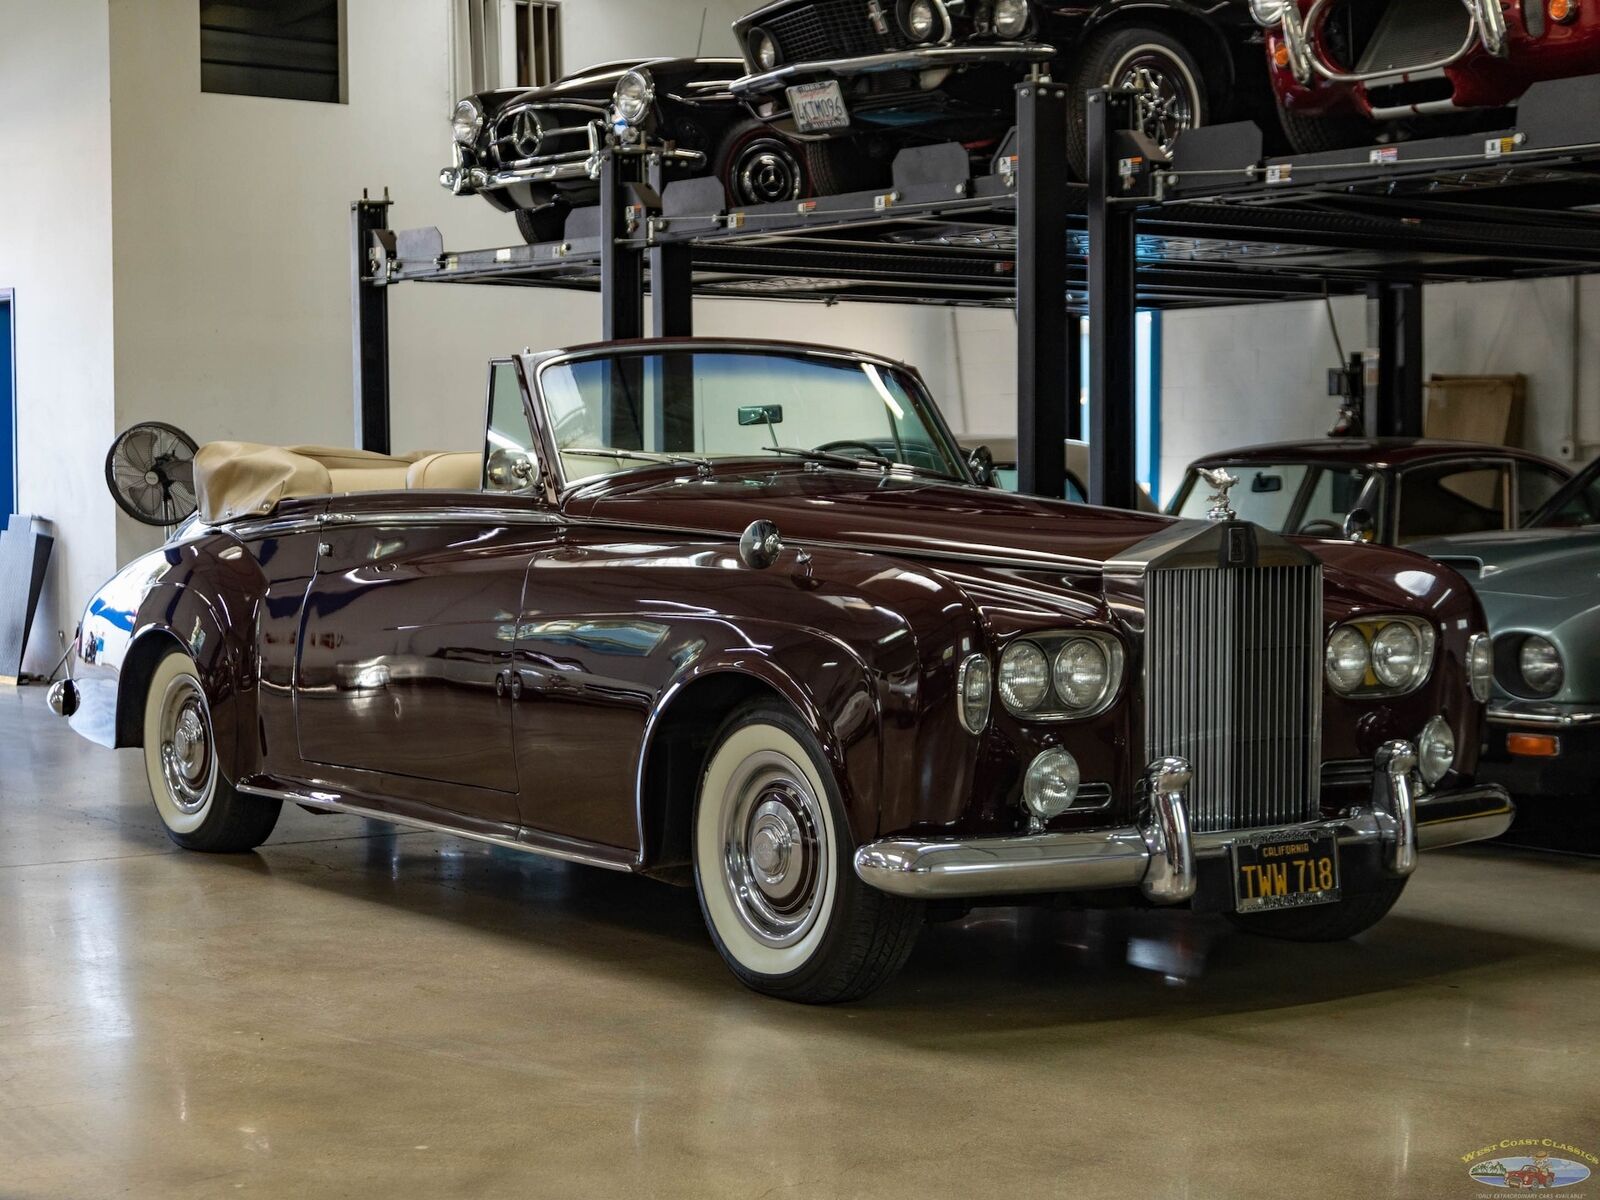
(848, 443)
(1322, 527)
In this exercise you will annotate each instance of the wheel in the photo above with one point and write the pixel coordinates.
(1318, 135)
(844, 165)
(772, 866)
(757, 166)
(547, 223)
(1324, 922)
(1174, 95)
(197, 805)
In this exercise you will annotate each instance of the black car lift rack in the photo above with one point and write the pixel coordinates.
(1217, 223)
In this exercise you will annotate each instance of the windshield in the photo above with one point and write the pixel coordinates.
(1578, 503)
(1286, 497)
(618, 412)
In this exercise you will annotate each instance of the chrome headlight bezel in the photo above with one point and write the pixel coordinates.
(932, 8)
(1480, 666)
(1015, 21)
(466, 122)
(633, 97)
(1377, 682)
(974, 679)
(1053, 704)
(1550, 669)
(1436, 750)
(756, 42)
(1269, 13)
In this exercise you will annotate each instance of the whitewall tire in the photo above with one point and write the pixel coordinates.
(197, 805)
(774, 870)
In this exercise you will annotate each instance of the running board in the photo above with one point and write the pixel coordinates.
(331, 802)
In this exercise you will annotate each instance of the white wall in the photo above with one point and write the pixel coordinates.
(55, 251)
(1238, 376)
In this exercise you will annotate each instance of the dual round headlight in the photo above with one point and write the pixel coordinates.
(1379, 656)
(1061, 675)
(763, 49)
(1539, 663)
(1010, 17)
(630, 101)
(466, 123)
(920, 20)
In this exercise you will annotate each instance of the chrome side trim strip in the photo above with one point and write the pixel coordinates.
(1549, 714)
(333, 803)
(921, 58)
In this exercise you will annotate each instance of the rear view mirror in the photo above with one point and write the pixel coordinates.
(761, 414)
(1359, 525)
(1267, 483)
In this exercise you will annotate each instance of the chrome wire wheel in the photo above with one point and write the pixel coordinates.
(1168, 100)
(774, 861)
(188, 758)
(765, 170)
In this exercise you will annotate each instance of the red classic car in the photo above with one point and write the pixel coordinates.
(736, 615)
(1342, 69)
(1535, 1175)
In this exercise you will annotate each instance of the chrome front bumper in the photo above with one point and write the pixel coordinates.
(1543, 714)
(922, 58)
(562, 168)
(1158, 856)
(1486, 30)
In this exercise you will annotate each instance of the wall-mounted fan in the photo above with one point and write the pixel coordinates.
(150, 471)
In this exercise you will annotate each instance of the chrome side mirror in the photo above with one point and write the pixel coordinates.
(980, 461)
(760, 545)
(510, 470)
(1359, 525)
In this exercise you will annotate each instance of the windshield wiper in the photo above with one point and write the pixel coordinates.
(637, 455)
(830, 456)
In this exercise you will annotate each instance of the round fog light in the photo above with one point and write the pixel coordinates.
(1051, 784)
(1436, 750)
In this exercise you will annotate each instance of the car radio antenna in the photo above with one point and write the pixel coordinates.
(700, 45)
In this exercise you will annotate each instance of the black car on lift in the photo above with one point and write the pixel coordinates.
(534, 151)
(858, 80)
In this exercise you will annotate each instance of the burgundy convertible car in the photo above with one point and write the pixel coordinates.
(1342, 70)
(736, 615)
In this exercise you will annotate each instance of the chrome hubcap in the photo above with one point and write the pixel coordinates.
(773, 848)
(766, 173)
(187, 762)
(1164, 106)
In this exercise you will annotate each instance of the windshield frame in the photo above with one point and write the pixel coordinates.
(535, 366)
(1580, 482)
(1376, 487)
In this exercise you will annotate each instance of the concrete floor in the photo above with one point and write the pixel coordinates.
(354, 1011)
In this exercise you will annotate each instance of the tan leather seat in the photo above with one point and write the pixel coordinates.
(450, 470)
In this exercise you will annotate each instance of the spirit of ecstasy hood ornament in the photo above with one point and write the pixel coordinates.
(1222, 482)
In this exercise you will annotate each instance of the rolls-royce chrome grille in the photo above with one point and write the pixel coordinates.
(1233, 683)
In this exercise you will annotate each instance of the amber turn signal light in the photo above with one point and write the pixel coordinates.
(1280, 51)
(1563, 11)
(1533, 745)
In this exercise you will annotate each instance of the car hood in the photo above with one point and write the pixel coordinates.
(917, 517)
(1552, 563)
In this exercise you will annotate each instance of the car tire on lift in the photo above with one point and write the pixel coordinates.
(1111, 57)
(547, 223)
(760, 166)
(1319, 135)
(844, 165)
(1324, 922)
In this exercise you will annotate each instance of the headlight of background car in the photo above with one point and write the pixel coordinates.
(1539, 663)
(467, 123)
(1379, 656)
(974, 685)
(1010, 17)
(1480, 665)
(763, 49)
(1060, 675)
(1268, 12)
(631, 99)
(919, 20)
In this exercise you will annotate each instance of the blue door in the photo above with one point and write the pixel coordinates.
(8, 415)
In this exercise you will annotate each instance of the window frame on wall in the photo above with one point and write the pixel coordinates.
(506, 44)
(277, 65)
(9, 497)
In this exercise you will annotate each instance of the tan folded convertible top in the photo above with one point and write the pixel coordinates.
(248, 479)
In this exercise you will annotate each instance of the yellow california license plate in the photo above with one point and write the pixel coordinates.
(1285, 871)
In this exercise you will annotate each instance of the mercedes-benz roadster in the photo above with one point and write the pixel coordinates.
(737, 614)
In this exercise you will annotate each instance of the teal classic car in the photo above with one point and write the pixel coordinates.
(1540, 588)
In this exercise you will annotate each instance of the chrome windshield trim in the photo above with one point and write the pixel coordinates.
(920, 58)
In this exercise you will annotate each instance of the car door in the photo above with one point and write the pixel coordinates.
(403, 690)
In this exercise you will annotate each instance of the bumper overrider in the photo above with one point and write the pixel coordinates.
(1161, 856)
(919, 58)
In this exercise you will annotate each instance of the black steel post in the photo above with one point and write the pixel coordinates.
(621, 266)
(1046, 384)
(1113, 309)
(1394, 333)
(671, 277)
(369, 318)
